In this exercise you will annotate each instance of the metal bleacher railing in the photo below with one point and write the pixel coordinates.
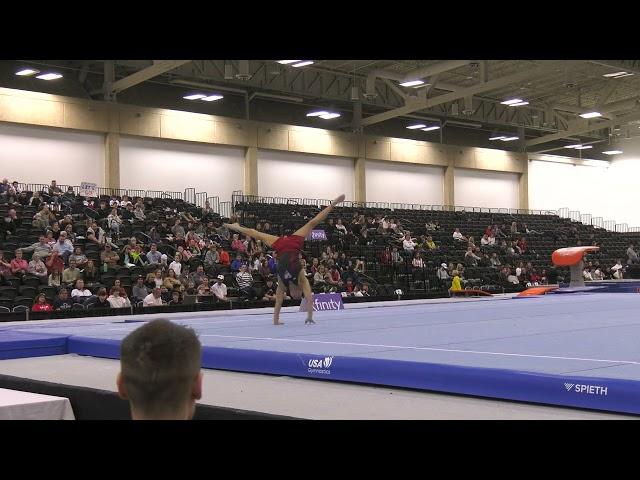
(239, 197)
(599, 222)
(189, 195)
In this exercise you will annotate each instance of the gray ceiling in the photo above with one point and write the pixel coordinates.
(462, 95)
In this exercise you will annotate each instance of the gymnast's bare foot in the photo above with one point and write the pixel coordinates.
(278, 322)
(309, 321)
(338, 200)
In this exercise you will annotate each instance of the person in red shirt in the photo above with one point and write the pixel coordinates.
(523, 245)
(40, 304)
(19, 266)
(289, 249)
(54, 262)
(225, 259)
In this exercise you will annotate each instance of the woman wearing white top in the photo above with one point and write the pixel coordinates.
(116, 300)
(176, 265)
(114, 221)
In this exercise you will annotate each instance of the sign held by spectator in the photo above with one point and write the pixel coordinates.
(317, 235)
(324, 301)
(88, 189)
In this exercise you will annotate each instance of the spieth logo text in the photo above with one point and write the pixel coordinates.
(586, 389)
(320, 365)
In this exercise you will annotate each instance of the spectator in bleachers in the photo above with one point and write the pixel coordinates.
(456, 284)
(458, 236)
(340, 228)
(470, 258)
(484, 241)
(219, 289)
(225, 260)
(176, 298)
(71, 274)
(90, 274)
(511, 278)
(114, 222)
(408, 244)
(618, 270)
(430, 244)
(11, 223)
(204, 289)
(79, 257)
(38, 268)
(237, 244)
(155, 279)
(514, 228)
(245, 283)
(103, 211)
(320, 279)
(139, 290)
(55, 231)
(101, 302)
(385, 256)
(523, 245)
(96, 234)
(177, 228)
(55, 193)
(597, 274)
(237, 263)
(171, 280)
(63, 246)
(116, 299)
(632, 256)
(417, 261)
(63, 302)
(19, 265)
(55, 277)
(41, 248)
(495, 260)
(154, 299)
(154, 236)
(153, 255)
(442, 273)
(176, 265)
(109, 257)
(35, 200)
(529, 231)
(40, 304)
(5, 267)
(198, 276)
(80, 294)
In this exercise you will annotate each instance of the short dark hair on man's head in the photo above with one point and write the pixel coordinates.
(159, 363)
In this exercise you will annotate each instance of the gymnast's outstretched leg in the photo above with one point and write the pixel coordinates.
(305, 230)
(265, 237)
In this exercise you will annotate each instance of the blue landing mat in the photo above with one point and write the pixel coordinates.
(581, 351)
(26, 344)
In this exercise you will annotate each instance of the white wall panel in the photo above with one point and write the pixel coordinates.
(38, 155)
(480, 188)
(404, 183)
(302, 175)
(147, 164)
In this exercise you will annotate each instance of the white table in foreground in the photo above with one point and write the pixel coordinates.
(17, 405)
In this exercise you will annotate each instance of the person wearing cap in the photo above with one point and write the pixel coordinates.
(442, 272)
(219, 289)
(154, 299)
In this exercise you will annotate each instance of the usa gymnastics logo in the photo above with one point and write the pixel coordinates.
(320, 365)
(586, 389)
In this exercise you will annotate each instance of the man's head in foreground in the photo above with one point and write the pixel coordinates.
(160, 371)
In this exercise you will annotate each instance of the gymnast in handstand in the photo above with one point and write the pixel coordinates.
(288, 249)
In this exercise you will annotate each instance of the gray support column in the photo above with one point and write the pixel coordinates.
(449, 193)
(360, 191)
(523, 185)
(251, 171)
(112, 160)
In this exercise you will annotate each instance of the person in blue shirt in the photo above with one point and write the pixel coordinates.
(236, 263)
